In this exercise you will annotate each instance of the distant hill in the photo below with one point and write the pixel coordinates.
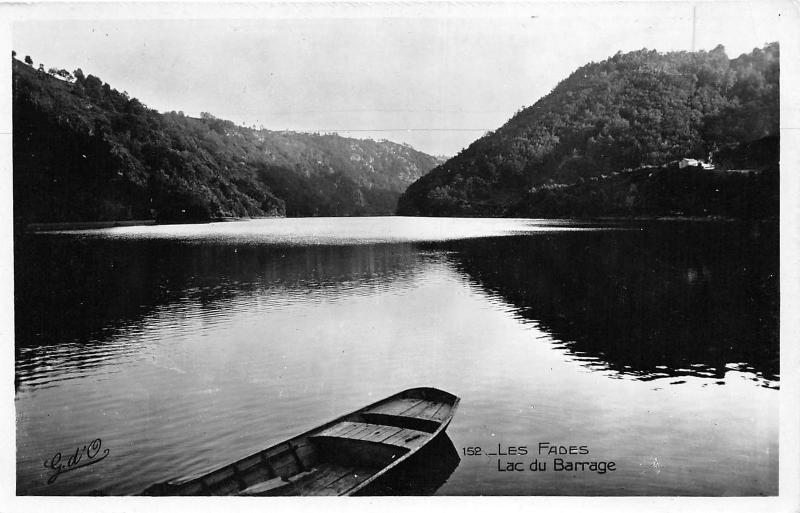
(86, 152)
(642, 108)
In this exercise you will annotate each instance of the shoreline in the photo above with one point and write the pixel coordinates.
(97, 225)
(86, 225)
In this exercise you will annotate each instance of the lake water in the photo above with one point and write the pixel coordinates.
(654, 345)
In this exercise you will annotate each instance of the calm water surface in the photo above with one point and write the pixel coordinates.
(655, 345)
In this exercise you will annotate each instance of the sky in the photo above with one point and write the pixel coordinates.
(435, 78)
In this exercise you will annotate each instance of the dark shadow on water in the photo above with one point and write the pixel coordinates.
(660, 300)
(422, 474)
(72, 289)
(74, 294)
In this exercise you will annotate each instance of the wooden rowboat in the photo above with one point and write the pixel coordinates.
(341, 457)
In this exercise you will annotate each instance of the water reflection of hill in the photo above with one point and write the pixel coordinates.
(77, 291)
(668, 300)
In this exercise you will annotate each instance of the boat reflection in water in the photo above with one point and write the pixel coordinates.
(423, 474)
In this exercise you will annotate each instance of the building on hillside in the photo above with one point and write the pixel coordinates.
(687, 162)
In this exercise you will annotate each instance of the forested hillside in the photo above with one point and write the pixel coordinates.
(668, 190)
(86, 152)
(642, 108)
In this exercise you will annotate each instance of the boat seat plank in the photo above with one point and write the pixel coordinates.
(419, 409)
(387, 435)
(431, 411)
(359, 432)
(380, 433)
(372, 432)
(409, 438)
(340, 428)
(346, 430)
(416, 408)
(442, 413)
(397, 407)
(362, 431)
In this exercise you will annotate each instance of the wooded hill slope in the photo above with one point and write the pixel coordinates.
(86, 152)
(631, 110)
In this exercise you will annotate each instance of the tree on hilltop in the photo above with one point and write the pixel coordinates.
(66, 75)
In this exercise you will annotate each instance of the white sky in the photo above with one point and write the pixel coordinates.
(436, 79)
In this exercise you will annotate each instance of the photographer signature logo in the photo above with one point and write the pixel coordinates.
(82, 457)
